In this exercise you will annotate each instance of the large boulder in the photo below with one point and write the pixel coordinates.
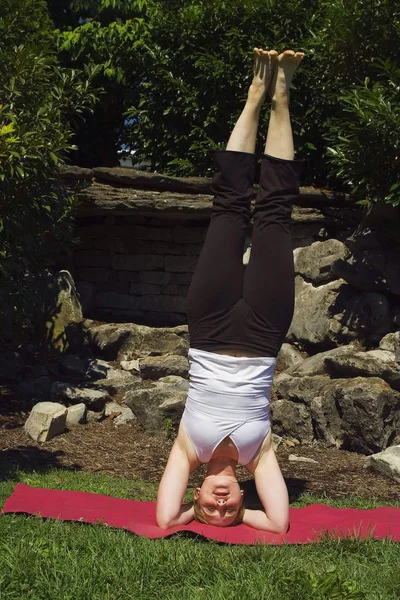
(334, 314)
(371, 270)
(120, 414)
(76, 414)
(116, 382)
(317, 364)
(62, 310)
(386, 462)
(158, 409)
(361, 414)
(315, 262)
(292, 420)
(46, 420)
(374, 363)
(288, 357)
(154, 367)
(126, 341)
(72, 394)
(300, 390)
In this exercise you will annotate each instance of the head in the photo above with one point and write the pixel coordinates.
(219, 502)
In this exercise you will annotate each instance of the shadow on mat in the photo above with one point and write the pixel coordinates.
(30, 458)
(296, 487)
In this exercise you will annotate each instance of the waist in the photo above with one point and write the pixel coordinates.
(249, 377)
(216, 406)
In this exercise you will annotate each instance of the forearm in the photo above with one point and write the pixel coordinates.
(184, 515)
(259, 520)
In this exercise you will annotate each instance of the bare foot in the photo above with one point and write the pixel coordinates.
(286, 65)
(264, 67)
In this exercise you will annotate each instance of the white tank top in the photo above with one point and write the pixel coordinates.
(228, 397)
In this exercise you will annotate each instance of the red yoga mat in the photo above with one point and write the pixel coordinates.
(307, 524)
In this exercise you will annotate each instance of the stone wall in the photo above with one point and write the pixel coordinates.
(141, 234)
(139, 268)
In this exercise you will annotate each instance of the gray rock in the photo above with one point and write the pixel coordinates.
(340, 314)
(93, 416)
(157, 409)
(98, 369)
(37, 388)
(388, 342)
(122, 414)
(316, 365)
(386, 462)
(126, 340)
(315, 262)
(76, 414)
(179, 383)
(303, 459)
(72, 394)
(11, 364)
(62, 310)
(375, 363)
(301, 389)
(73, 366)
(376, 269)
(291, 419)
(113, 385)
(154, 367)
(130, 365)
(361, 414)
(288, 357)
(47, 419)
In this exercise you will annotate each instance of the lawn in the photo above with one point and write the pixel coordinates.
(50, 560)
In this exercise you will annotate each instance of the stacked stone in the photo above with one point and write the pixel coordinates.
(139, 267)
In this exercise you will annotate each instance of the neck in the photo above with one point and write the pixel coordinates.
(225, 467)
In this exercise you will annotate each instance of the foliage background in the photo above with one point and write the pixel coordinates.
(81, 80)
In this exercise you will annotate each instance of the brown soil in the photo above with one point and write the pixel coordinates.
(126, 451)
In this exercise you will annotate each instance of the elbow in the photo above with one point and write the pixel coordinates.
(281, 527)
(163, 521)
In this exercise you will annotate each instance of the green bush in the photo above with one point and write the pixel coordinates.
(39, 100)
(365, 152)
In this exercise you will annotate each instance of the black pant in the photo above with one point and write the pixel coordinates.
(230, 306)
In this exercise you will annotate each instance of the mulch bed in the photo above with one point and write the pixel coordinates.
(126, 451)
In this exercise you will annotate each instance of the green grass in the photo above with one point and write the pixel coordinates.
(51, 560)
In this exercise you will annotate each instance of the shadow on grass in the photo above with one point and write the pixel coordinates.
(30, 458)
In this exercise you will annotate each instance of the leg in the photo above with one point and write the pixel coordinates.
(269, 280)
(217, 283)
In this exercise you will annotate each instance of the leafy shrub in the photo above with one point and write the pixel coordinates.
(38, 101)
(366, 140)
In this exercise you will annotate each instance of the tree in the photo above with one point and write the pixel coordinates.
(107, 35)
(39, 101)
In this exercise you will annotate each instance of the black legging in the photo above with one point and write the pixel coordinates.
(230, 306)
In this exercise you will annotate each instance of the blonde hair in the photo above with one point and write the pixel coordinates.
(199, 516)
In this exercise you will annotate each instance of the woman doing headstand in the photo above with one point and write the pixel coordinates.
(238, 318)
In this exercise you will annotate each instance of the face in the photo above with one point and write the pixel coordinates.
(220, 499)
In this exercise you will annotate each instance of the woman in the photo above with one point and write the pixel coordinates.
(238, 318)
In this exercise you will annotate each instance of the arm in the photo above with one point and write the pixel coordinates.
(272, 491)
(170, 510)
